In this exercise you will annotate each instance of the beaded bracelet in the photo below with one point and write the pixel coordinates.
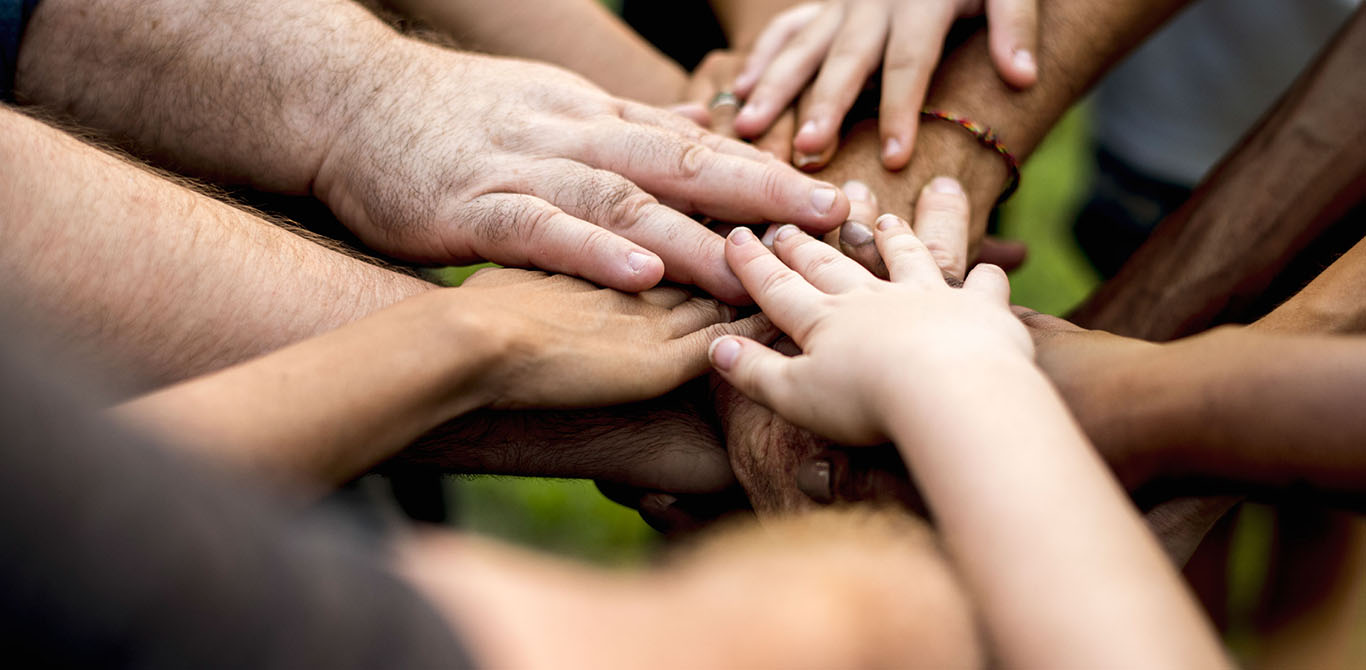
(988, 138)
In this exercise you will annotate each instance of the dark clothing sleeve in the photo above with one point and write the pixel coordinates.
(117, 553)
(14, 16)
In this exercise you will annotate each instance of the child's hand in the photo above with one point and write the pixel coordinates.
(847, 40)
(868, 344)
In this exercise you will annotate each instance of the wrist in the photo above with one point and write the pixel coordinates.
(928, 390)
(372, 101)
(476, 348)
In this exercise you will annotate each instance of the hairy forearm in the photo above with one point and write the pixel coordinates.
(327, 409)
(579, 35)
(1085, 585)
(249, 91)
(153, 280)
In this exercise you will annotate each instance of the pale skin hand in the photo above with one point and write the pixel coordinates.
(580, 35)
(425, 153)
(859, 589)
(1079, 41)
(329, 408)
(1063, 574)
(537, 167)
(841, 43)
(828, 304)
(189, 285)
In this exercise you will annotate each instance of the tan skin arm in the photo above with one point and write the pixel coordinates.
(580, 35)
(1294, 175)
(175, 285)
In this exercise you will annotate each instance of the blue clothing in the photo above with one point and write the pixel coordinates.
(13, 18)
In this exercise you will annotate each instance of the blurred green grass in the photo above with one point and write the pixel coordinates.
(571, 518)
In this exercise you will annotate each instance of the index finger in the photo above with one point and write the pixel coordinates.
(694, 177)
(787, 298)
(1013, 33)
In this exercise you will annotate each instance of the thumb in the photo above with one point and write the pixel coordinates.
(753, 369)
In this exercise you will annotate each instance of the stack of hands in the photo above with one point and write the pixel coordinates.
(884, 362)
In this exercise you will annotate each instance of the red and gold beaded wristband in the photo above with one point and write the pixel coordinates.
(987, 137)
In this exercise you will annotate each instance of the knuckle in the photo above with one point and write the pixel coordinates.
(945, 205)
(595, 241)
(821, 263)
(534, 223)
(902, 60)
(626, 205)
(691, 161)
(775, 282)
(771, 184)
(943, 256)
(496, 219)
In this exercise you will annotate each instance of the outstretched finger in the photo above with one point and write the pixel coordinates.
(779, 31)
(789, 72)
(525, 231)
(694, 177)
(754, 369)
(856, 235)
(990, 281)
(855, 52)
(819, 263)
(941, 223)
(907, 259)
(788, 300)
(1013, 27)
(691, 253)
(913, 48)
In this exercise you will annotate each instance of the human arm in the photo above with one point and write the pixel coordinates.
(329, 408)
(895, 600)
(1081, 546)
(579, 35)
(1290, 179)
(152, 283)
(1196, 408)
(1079, 40)
(425, 153)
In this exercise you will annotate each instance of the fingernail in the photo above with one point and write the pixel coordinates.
(1024, 60)
(803, 160)
(808, 128)
(741, 236)
(657, 502)
(750, 112)
(855, 234)
(857, 190)
(813, 479)
(724, 352)
(891, 147)
(888, 221)
(947, 185)
(823, 199)
(785, 232)
(637, 261)
(770, 233)
(688, 108)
